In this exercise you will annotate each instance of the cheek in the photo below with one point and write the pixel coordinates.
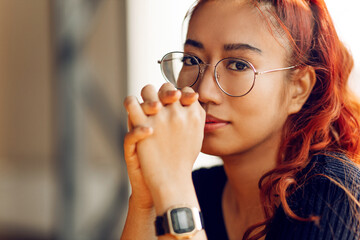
(255, 118)
(269, 90)
(259, 116)
(253, 122)
(264, 106)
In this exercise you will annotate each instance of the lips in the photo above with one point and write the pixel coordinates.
(212, 123)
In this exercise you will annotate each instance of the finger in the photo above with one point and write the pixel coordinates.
(168, 94)
(132, 138)
(149, 94)
(151, 108)
(188, 96)
(135, 112)
(129, 125)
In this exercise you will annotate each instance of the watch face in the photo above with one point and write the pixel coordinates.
(182, 220)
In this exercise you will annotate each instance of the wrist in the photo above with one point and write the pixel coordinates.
(139, 205)
(138, 216)
(168, 195)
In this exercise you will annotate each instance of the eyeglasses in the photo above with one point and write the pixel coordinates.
(234, 76)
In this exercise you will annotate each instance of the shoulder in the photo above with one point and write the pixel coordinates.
(327, 188)
(327, 178)
(332, 168)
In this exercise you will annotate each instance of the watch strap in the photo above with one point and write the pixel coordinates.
(202, 220)
(161, 225)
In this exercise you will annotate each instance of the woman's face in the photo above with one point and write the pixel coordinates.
(236, 125)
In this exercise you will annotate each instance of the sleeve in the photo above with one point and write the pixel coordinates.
(199, 176)
(209, 184)
(338, 214)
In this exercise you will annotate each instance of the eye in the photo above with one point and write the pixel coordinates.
(237, 65)
(189, 61)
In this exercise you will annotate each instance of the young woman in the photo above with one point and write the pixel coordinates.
(263, 85)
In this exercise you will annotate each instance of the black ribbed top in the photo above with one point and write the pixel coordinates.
(317, 196)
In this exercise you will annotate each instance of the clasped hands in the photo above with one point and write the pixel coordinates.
(164, 139)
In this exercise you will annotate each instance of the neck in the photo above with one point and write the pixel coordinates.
(245, 170)
(241, 197)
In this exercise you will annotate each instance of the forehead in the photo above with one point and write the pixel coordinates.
(217, 23)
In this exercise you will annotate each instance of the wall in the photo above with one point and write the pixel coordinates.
(30, 120)
(26, 116)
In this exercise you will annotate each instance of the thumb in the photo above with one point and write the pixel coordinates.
(132, 138)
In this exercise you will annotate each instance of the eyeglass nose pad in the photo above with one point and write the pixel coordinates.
(202, 71)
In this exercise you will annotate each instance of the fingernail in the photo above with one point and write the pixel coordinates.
(171, 93)
(154, 104)
(189, 94)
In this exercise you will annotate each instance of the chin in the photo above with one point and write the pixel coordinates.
(225, 147)
(213, 149)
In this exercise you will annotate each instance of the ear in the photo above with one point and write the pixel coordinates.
(301, 86)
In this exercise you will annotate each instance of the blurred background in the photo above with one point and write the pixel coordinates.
(65, 68)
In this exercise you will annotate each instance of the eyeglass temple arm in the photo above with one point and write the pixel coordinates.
(276, 70)
(160, 61)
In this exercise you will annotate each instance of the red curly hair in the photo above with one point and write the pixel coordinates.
(330, 118)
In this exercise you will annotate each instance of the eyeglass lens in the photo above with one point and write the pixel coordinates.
(234, 76)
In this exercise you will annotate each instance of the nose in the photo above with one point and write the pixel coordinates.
(206, 86)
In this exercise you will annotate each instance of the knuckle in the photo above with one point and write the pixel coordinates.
(128, 101)
(146, 109)
(162, 118)
(149, 109)
(127, 138)
(187, 90)
(147, 88)
(177, 120)
(167, 85)
(195, 116)
(132, 104)
(198, 115)
(177, 117)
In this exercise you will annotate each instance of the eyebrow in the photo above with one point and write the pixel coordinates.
(194, 43)
(241, 46)
(227, 47)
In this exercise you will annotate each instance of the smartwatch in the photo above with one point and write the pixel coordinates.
(180, 221)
